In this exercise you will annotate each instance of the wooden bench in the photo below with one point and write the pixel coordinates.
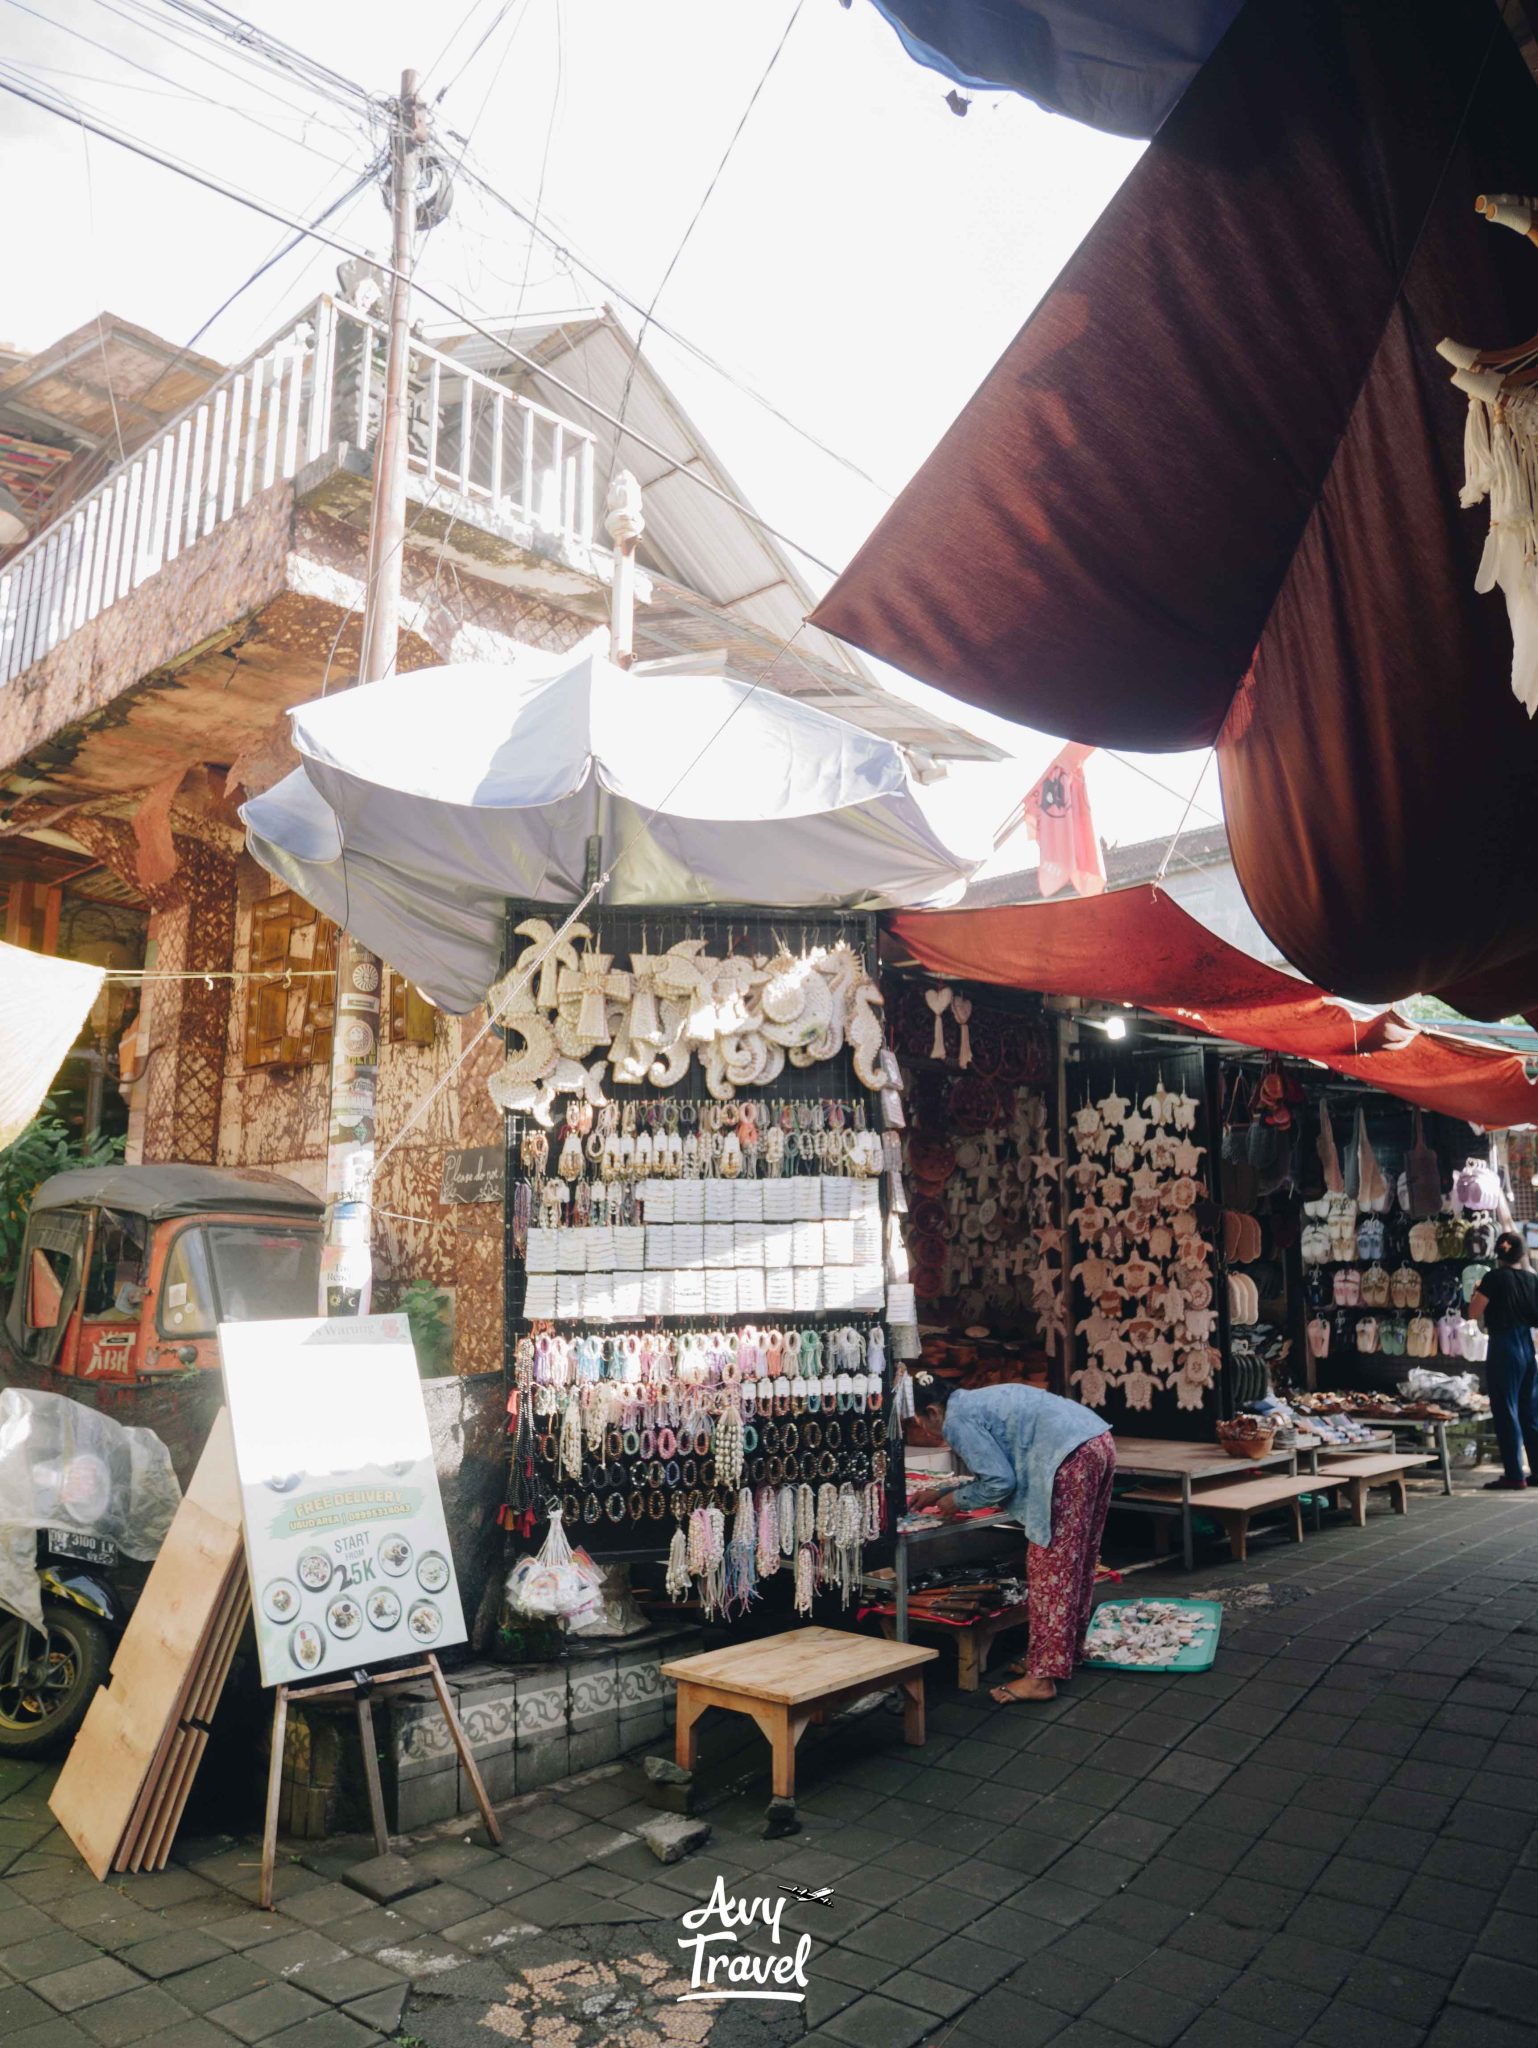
(1359, 1475)
(973, 1639)
(784, 1683)
(1231, 1506)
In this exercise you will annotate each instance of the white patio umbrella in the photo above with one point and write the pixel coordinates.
(424, 802)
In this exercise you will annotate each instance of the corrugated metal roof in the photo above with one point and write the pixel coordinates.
(719, 579)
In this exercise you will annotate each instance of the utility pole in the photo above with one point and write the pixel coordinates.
(346, 1277)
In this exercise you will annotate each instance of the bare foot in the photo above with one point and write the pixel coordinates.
(1024, 1689)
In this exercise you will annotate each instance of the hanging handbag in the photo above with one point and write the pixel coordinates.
(1476, 1344)
(1329, 1157)
(1373, 1192)
(1423, 1176)
(1236, 1123)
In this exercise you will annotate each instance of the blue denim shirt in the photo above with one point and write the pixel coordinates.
(1012, 1438)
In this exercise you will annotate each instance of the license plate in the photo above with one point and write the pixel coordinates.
(90, 1549)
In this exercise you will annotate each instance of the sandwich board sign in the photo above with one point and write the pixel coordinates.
(346, 1541)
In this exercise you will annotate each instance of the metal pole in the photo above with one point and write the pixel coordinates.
(346, 1279)
(626, 522)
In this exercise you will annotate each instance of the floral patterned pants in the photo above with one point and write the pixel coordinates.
(1060, 1579)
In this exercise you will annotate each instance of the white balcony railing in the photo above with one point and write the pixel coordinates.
(318, 384)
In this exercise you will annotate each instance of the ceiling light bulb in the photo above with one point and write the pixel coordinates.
(1115, 1027)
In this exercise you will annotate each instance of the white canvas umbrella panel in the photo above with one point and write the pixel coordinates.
(424, 802)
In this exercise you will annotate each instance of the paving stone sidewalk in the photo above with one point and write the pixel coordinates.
(1328, 1839)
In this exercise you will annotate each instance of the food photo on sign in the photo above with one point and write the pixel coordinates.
(346, 1540)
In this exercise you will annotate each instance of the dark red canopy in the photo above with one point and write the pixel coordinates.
(1224, 453)
(1138, 946)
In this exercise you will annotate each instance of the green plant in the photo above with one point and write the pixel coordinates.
(426, 1308)
(44, 1148)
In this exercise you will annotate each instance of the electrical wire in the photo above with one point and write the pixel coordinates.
(184, 92)
(562, 249)
(1207, 761)
(544, 161)
(497, 20)
(753, 97)
(143, 18)
(210, 183)
(101, 329)
(216, 21)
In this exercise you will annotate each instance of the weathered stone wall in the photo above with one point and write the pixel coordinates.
(277, 1118)
(206, 591)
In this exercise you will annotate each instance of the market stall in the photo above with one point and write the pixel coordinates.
(699, 1314)
(1232, 1224)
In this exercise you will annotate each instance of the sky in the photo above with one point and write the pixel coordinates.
(862, 261)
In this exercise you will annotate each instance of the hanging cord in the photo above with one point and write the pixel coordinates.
(1190, 802)
(624, 398)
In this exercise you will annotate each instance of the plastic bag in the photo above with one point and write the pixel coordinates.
(556, 1585)
(1451, 1389)
(62, 1465)
(616, 1613)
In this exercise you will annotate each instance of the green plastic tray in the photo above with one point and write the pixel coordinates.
(1198, 1657)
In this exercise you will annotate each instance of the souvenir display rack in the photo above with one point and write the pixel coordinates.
(696, 1275)
(1148, 1311)
(1385, 1287)
(982, 1163)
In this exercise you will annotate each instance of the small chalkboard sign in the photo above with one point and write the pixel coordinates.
(473, 1176)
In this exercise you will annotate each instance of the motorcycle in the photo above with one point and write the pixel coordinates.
(48, 1675)
(84, 1506)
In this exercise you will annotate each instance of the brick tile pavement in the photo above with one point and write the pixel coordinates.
(1328, 1838)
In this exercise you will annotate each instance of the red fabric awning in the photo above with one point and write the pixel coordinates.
(1138, 946)
(1223, 452)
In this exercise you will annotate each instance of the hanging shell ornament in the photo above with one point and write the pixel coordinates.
(528, 1098)
(784, 993)
(1090, 1381)
(939, 1001)
(645, 1017)
(808, 1024)
(592, 1017)
(675, 1052)
(536, 1059)
(867, 1035)
(556, 955)
(961, 1010)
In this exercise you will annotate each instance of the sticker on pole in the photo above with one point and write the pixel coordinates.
(346, 1541)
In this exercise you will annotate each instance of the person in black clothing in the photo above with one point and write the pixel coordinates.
(1506, 1305)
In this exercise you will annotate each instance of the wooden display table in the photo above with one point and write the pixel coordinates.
(784, 1683)
(973, 1639)
(1185, 1475)
(1231, 1506)
(1358, 1476)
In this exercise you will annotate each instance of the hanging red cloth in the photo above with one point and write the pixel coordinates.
(1056, 814)
(1138, 946)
